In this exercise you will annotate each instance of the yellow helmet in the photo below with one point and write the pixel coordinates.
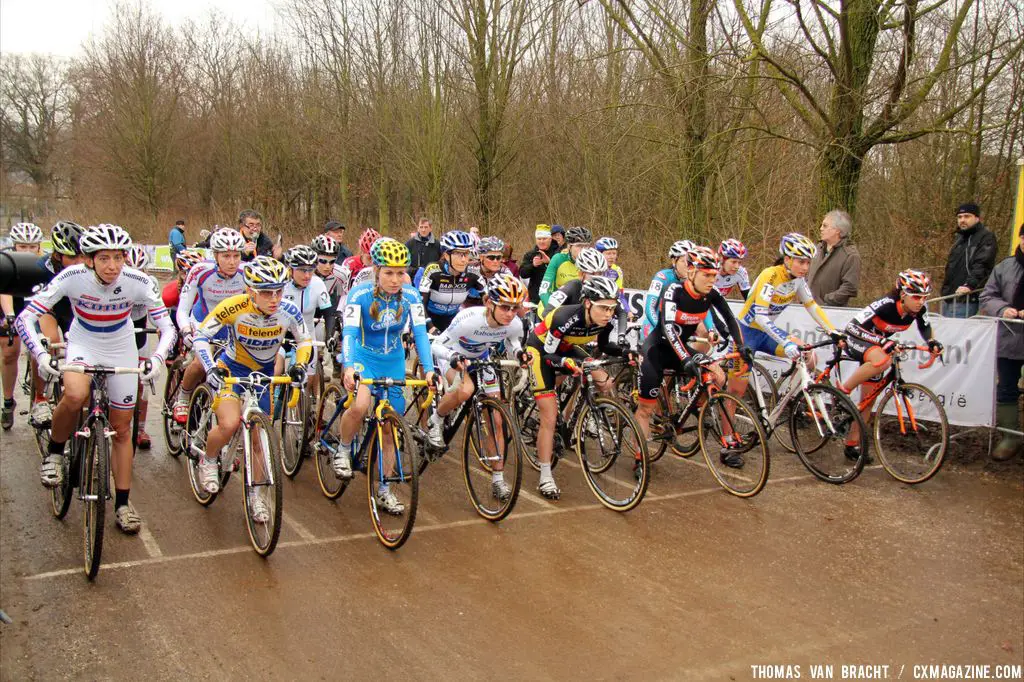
(265, 272)
(388, 252)
(797, 245)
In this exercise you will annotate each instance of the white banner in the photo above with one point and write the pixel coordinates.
(965, 384)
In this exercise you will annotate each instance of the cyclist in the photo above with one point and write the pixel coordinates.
(207, 284)
(676, 272)
(353, 270)
(471, 335)
(255, 323)
(102, 292)
(446, 284)
(375, 315)
(869, 334)
(557, 343)
(609, 248)
(308, 293)
(326, 248)
(27, 238)
(562, 268)
(733, 275)
(683, 309)
(171, 293)
(137, 257)
(492, 256)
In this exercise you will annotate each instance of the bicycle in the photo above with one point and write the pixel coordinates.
(818, 416)
(260, 447)
(917, 439)
(599, 429)
(298, 422)
(719, 416)
(88, 467)
(490, 438)
(396, 467)
(175, 373)
(52, 391)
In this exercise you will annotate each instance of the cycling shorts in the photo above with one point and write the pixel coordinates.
(543, 373)
(757, 340)
(371, 366)
(122, 389)
(657, 357)
(239, 370)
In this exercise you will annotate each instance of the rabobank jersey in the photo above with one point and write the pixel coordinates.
(253, 337)
(471, 336)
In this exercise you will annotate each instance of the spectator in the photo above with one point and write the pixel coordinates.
(250, 224)
(509, 261)
(558, 236)
(336, 231)
(835, 270)
(423, 248)
(970, 262)
(176, 238)
(1004, 297)
(535, 261)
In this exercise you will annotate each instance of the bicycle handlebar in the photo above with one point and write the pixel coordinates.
(99, 369)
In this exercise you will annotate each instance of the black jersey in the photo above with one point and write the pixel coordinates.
(566, 327)
(681, 310)
(883, 318)
(445, 291)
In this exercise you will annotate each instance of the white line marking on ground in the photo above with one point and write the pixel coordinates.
(551, 511)
(149, 542)
(299, 529)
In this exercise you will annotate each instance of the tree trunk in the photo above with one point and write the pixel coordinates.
(838, 176)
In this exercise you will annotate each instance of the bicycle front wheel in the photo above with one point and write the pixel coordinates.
(725, 417)
(911, 433)
(294, 433)
(821, 421)
(492, 460)
(94, 490)
(392, 480)
(200, 419)
(262, 495)
(328, 440)
(613, 454)
(172, 429)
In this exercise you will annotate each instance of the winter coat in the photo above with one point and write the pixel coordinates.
(970, 260)
(423, 252)
(834, 276)
(996, 298)
(535, 275)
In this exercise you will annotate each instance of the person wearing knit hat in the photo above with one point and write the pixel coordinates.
(535, 261)
(971, 259)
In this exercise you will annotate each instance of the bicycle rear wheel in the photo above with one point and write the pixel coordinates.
(491, 444)
(96, 473)
(328, 439)
(821, 420)
(911, 433)
(770, 398)
(715, 424)
(294, 431)
(262, 494)
(201, 419)
(614, 455)
(392, 473)
(61, 496)
(172, 429)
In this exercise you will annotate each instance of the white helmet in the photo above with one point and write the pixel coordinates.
(680, 248)
(599, 289)
(226, 239)
(592, 262)
(137, 257)
(104, 237)
(26, 233)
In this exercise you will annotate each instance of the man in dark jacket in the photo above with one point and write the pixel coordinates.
(535, 261)
(1003, 297)
(970, 262)
(834, 276)
(336, 231)
(250, 224)
(423, 248)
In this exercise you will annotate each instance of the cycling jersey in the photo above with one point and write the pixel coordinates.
(445, 291)
(560, 335)
(472, 299)
(346, 271)
(726, 283)
(309, 299)
(170, 294)
(470, 335)
(102, 312)
(561, 270)
(773, 290)
(659, 282)
(876, 323)
(204, 288)
(253, 338)
(572, 294)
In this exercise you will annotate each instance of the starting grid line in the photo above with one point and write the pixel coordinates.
(307, 539)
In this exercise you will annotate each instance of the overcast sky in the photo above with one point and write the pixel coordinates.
(61, 26)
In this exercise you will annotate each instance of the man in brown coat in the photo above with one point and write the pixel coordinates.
(835, 270)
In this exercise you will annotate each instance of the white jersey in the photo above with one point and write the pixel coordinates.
(364, 275)
(102, 312)
(203, 289)
(471, 336)
(139, 311)
(309, 299)
(725, 283)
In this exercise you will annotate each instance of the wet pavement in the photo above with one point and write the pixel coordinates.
(693, 584)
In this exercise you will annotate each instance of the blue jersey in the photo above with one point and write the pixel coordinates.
(373, 324)
(661, 281)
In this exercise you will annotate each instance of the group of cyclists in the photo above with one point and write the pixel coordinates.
(233, 312)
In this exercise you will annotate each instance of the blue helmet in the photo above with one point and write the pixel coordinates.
(606, 244)
(456, 240)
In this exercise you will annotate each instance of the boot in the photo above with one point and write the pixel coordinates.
(1007, 417)
(143, 440)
